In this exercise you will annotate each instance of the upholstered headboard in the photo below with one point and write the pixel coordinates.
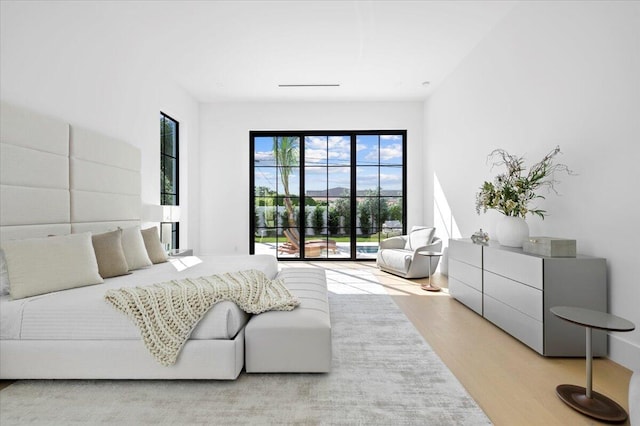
(104, 182)
(34, 174)
(56, 178)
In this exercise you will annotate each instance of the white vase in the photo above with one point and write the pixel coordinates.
(512, 231)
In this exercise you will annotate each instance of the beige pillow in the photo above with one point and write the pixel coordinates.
(134, 249)
(109, 254)
(42, 265)
(4, 275)
(153, 245)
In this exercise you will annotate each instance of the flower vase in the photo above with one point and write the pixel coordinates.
(512, 231)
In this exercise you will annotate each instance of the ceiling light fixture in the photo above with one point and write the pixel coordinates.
(309, 85)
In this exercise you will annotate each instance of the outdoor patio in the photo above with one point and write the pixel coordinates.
(364, 251)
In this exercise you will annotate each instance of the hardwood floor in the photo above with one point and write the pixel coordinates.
(512, 383)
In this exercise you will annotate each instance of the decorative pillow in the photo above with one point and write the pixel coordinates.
(42, 265)
(419, 236)
(134, 249)
(109, 254)
(4, 275)
(153, 245)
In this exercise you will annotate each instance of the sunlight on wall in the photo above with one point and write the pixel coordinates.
(443, 220)
(443, 217)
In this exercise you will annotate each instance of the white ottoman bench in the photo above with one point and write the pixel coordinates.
(297, 341)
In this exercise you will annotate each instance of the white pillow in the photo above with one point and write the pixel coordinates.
(42, 265)
(419, 236)
(4, 275)
(134, 249)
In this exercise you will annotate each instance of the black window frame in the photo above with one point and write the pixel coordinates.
(174, 157)
(301, 134)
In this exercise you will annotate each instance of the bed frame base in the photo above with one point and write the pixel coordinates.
(118, 359)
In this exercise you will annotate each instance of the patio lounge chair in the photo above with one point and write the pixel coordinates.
(312, 248)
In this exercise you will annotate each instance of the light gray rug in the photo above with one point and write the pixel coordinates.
(384, 373)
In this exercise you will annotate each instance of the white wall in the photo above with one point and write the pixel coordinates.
(224, 156)
(46, 66)
(554, 74)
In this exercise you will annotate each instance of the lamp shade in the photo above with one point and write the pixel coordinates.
(165, 234)
(152, 213)
(172, 213)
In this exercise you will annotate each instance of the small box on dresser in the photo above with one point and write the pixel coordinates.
(550, 247)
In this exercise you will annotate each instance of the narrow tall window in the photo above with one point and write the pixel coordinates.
(169, 155)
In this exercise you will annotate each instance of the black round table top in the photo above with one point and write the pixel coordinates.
(591, 318)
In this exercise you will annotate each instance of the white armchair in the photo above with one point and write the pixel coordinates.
(399, 255)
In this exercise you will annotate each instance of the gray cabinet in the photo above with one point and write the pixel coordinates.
(516, 290)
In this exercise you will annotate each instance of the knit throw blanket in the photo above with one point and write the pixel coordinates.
(166, 313)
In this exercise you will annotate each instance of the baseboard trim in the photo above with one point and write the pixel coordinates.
(624, 352)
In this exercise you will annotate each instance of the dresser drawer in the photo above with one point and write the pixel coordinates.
(465, 294)
(468, 274)
(520, 297)
(519, 325)
(516, 266)
(466, 252)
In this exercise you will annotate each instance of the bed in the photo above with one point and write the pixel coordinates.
(76, 334)
(61, 180)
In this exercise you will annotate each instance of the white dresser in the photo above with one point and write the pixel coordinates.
(515, 290)
(465, 273)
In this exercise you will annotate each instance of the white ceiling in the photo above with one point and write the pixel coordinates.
(242, 50)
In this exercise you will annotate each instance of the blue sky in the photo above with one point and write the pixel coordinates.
(328, 161)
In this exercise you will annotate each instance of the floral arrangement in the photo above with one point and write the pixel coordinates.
(510, 193)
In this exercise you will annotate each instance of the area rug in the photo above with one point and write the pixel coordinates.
(384, 373)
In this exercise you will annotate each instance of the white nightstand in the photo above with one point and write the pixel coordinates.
(180, 252)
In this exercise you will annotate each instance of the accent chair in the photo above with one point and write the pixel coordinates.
(399, 255)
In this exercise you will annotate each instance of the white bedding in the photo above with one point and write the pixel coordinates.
(83, 314)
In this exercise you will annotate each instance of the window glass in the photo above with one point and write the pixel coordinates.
(169, 151)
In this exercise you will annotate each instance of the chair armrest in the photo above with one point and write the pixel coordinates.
(394, 242)
(436, 245)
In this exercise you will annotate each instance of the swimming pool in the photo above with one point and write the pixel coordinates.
(367, 249)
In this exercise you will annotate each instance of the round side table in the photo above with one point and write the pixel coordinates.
(430, 254)
(586, 400)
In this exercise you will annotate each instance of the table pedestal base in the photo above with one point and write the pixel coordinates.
(598, 406)
(429, 287)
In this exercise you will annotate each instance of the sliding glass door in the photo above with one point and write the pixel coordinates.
(326, 195)
(327, 201)
(379, 190)
(276, 192)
